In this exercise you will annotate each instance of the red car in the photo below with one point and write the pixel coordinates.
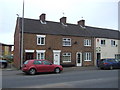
(34, 66)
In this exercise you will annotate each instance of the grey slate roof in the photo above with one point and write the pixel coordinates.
(56, 28)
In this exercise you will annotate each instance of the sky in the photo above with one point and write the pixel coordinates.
(96, 13)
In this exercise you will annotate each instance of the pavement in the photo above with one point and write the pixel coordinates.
(11, 68)
(85, 68)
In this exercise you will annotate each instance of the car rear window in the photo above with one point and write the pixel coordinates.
(26, 62)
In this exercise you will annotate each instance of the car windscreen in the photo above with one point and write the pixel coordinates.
(26, 62)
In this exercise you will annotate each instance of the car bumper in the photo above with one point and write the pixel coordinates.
(25, 69)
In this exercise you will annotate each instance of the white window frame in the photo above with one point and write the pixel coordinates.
(39, 37)
(39, 54)
(66, 41)
(67, 55)
(87, 42)
(104, 43)
(113, 42)
(87, 56)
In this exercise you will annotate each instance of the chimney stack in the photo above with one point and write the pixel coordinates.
(42, 17)
(63, 20)
(81, 23)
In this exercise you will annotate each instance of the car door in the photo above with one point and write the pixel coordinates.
(38, 66)
(47, 66)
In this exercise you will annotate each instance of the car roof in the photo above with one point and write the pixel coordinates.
(36, 60)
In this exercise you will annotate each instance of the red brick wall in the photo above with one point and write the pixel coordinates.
(54, 42)
(17, 47)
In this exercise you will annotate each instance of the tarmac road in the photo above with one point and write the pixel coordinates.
(74, 77)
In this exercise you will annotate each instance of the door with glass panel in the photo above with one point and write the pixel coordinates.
(78, 59)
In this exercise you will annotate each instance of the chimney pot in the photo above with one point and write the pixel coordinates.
(42, 17)
(81, 23)
(63, 20)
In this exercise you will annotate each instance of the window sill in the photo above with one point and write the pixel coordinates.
(40, 44)
(66, 45)
(87, 46)
(87, 60)
(66, 61)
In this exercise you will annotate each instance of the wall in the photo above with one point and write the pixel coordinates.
(54, 42)
(106, 51)
(17, 46)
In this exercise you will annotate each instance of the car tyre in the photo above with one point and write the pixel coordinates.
(32, 71)
(57, 70)
(111, 67)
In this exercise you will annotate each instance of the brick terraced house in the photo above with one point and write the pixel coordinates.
(60, 42)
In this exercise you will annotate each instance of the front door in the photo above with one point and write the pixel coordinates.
(29, 56)
(56, 57)
(79, 59)
(98, 56)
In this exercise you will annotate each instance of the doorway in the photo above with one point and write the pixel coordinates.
(78, 59)
(98, 56)
(29, 56)
(56, 57)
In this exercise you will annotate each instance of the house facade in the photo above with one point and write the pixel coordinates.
(64, 50)
(107, 48)
(59, 42)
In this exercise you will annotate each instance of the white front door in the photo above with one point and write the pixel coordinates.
(56, 57)
(78, 59)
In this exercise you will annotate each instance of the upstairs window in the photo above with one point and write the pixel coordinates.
(41, 39)
(103, 42)
(112, 42)
(87, 42)
(66, 41)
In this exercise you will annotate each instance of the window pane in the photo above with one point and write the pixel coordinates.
(87, 56)
(87, 42)
(66, 42)
(38, 57)
(42, 55)
(66, 57)
(42, 40)
(38, 40)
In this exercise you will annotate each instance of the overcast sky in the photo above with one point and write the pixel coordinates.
(97, 13)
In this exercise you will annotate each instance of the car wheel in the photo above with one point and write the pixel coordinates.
(111, 67)
(57, 70)
(32, 71)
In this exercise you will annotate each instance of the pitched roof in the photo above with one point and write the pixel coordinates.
(56, 28)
